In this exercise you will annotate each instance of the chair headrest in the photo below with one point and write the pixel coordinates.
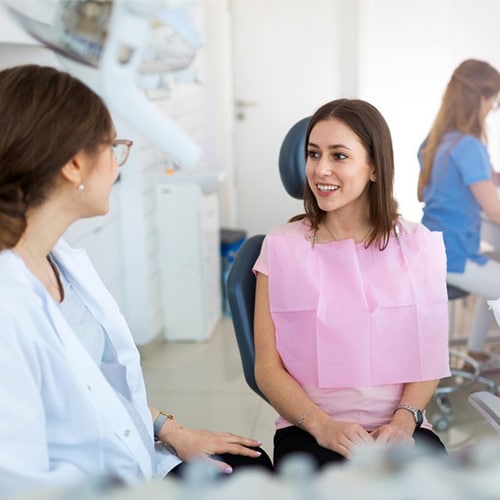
(292, 163)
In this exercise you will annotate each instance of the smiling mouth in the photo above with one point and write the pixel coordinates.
(324, 188)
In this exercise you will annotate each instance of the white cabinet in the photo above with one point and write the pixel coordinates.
(188, 231)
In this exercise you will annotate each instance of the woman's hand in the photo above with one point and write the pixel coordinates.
(342, 437)
(193, 443)
(392, 434)
(399, 430)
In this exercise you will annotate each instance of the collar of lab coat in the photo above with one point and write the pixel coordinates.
(97, 298)
(89, 286)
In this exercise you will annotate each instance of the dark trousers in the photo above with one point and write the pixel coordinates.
(294, 440)
(235, 461)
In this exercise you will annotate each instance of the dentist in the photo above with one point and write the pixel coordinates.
(72, 396)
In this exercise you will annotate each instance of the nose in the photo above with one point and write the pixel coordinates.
(325, 168)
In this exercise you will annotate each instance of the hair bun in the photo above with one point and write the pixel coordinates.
(10, 192)
(12, 215)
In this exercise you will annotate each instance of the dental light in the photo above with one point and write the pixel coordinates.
(109, 44)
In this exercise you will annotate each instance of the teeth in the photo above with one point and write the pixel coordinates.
(327, 187)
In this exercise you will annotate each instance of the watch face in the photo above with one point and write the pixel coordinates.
(419, 418)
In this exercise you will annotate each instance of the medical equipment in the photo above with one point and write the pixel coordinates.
(110, 44)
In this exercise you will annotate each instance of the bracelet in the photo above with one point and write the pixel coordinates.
(159, 421)
(301, 419)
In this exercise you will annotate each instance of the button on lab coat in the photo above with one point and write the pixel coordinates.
(60, 417)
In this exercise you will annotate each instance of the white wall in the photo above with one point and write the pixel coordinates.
(216, 75)
(407, 53)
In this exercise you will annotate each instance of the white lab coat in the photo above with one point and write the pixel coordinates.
(60, 419)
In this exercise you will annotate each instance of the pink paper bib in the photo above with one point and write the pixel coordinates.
(347, 316)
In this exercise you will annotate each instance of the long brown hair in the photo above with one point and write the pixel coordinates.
(372, 130)
(460, 110)
(47, 117)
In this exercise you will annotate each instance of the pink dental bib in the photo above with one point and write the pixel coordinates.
(347, 316)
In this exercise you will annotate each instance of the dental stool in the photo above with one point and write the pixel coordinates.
(465, 371)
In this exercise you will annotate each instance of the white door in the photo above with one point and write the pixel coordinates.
(285, 64)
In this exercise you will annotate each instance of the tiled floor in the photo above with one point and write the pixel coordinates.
(202, 384)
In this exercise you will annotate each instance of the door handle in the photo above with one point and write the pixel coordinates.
(241, 104)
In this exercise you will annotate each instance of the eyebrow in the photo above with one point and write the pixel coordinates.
(331, 146)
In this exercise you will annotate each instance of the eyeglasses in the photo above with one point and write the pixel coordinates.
(121, 148)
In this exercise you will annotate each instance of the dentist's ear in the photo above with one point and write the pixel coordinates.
(72, 171)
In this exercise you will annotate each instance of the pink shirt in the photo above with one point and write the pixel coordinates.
(354, 324)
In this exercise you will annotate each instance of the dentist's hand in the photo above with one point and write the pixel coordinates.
(193, 443)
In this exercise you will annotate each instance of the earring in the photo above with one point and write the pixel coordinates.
(81, 186)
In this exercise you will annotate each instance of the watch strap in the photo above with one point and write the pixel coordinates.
(162, 417)
(417, 413)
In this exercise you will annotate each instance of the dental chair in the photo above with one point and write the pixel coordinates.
(240, 284)
(240, 290)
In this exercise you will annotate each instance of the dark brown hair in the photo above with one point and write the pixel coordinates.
(47, 117)
(373, 132)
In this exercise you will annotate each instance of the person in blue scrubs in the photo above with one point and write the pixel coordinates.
(73, 403)
(457, 184)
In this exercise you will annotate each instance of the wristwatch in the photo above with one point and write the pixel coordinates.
(159, 421)
(417, 414)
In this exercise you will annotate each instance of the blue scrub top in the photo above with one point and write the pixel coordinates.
(450, 206)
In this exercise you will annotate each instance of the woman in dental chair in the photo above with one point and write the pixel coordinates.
(351, 315)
